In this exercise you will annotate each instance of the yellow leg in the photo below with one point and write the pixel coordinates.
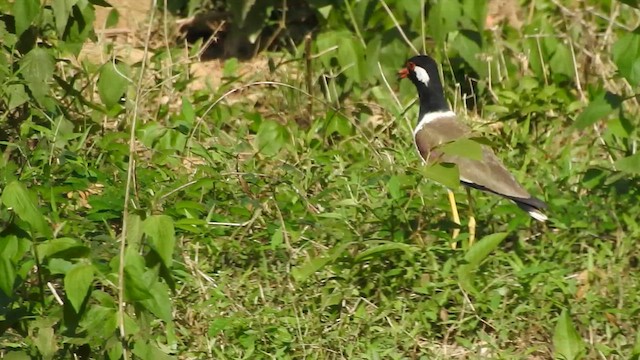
(472, 219)
(456, 217)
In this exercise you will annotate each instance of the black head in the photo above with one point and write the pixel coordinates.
(422, 70)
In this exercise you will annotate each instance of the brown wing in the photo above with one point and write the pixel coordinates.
(487, 174)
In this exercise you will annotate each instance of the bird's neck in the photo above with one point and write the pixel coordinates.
(432, 99)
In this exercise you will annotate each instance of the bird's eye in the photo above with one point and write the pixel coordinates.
(411, 66)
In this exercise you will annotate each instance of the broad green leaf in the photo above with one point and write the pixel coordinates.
(112, 19)
(474, 257)
(17, 95)
(135, 230)
(602, 105)
(562, 61)
(446, 174)
(467, 148)
(476, 11)
(351, 58)
(469, 44)
(7, 275)
(302, 272)
(567, 343)
(79, 28)
(61, 12)
(112, 84)
(325, 11)
(100, 321)
(136, 284)
(626, 55)
(149, 351)
(66, 248)
(17, 197)
(383, 249)
(188, 113)
(24, 12)
(443, 18)
(77, 283)
(46, 343)
(337, 123)
(37, 69)
(394, 186)
(593, 177)
(271, 137)
(629, 164)
(159, 303)
(161, 236)
(230, 68)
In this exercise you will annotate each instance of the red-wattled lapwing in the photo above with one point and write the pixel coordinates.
(438, 125)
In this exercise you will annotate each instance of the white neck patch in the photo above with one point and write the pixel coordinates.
(429, 117)
(422, 75)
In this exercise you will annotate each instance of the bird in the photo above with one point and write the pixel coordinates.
(438, 125)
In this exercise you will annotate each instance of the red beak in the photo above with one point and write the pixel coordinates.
(403, 73)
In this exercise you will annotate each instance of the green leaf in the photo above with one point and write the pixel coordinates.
(16, 196)
(136, 284)
(567, 342)
(562, 61)
(443, 18)
(384, 248)
(45, 341)
(302, 272)
(337, 123)
(468, 148)
(351, 58)
(474, 257)
(271, 137)
(112, 84)
(188, 113)
(77, 283)
(66, 248)
(17, 95)
(37, 69)
(446, 174)
(16, 355)
(602, 105)
(469, 45)
(629, 164)
(112, 19)
(7, 275)
(394, 187)
(24, 12)
(626, 55)
(61, 12)
(161, 233)
(476, 11)
(100, 321)
(159, 303)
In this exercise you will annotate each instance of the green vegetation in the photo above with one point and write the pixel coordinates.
(283, 213)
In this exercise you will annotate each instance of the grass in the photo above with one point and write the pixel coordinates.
(316, 235)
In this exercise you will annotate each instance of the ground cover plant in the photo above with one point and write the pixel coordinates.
(154, 206)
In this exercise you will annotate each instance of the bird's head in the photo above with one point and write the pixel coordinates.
(422, 70)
